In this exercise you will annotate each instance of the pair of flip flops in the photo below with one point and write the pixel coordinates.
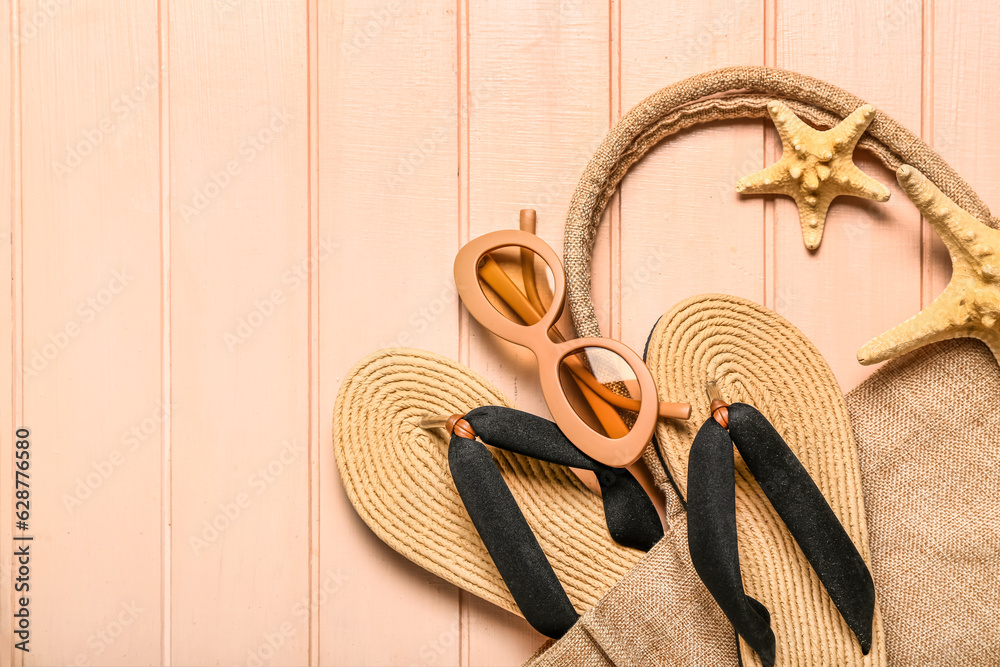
(398, 477)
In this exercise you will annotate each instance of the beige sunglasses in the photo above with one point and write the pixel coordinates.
(600, 393)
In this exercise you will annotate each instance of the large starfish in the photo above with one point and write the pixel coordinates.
(815, 167)
(970, 305)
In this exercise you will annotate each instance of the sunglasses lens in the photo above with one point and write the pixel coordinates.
(602, 388)
(518, 283)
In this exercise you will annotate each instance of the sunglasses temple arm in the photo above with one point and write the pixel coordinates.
(507, 290)
(434, 421)
(528, 262)
(668, 410)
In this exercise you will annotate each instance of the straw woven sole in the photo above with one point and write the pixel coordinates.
(758, 357)
(396, 476)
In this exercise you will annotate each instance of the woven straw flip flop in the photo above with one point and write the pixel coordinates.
(758, 358)
(397, 476)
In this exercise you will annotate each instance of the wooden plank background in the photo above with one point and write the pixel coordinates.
(217, 207)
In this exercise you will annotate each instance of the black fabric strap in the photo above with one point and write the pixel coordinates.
(632, 520)
(712, 542)
(809, 518)
(712, 538)
(508, 538)
(629, 513)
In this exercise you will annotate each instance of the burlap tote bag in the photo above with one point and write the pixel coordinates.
(927, 441)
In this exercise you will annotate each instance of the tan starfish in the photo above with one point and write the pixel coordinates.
(815, 167)
(970, 305)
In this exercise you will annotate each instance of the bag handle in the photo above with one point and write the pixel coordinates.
(728, 94)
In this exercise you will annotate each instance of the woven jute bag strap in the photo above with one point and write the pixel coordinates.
(728, 94)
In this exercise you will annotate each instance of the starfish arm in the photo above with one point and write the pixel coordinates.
(847, 133)
(924, 194)
(771, 180)
(961, 231)
(790, 127)
(860, 184)
(812, 217)
(815, 167)
(934, 323)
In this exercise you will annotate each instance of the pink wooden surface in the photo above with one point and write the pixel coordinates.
(216, 208)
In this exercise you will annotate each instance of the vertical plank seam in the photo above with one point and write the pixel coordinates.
(615, 222)
(927, 134)
(166, 476)
(464, 229)
(17, 263)
(462, 148)
(17, 210)
(769, 150)
(312, 168)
